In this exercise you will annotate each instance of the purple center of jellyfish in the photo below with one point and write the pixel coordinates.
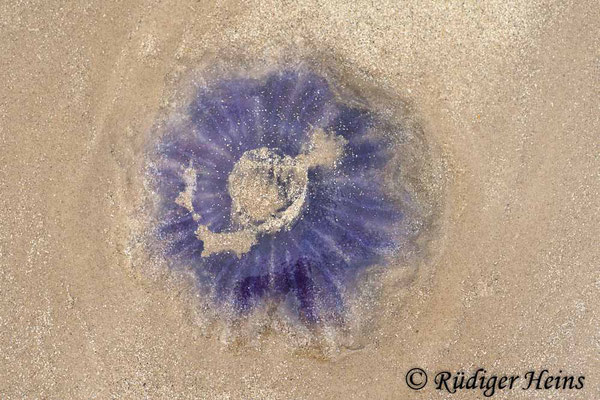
(345, 223)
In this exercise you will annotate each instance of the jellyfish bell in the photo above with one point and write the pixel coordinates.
(293, 213)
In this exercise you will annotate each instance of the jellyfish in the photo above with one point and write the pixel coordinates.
(270, 190)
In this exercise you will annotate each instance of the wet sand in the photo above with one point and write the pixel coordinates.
(509, 279)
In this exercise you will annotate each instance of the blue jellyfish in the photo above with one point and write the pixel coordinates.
(270, 190)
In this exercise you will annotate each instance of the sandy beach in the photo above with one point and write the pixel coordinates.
(505, 275)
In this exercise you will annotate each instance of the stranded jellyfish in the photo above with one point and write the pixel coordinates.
(271, 191)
